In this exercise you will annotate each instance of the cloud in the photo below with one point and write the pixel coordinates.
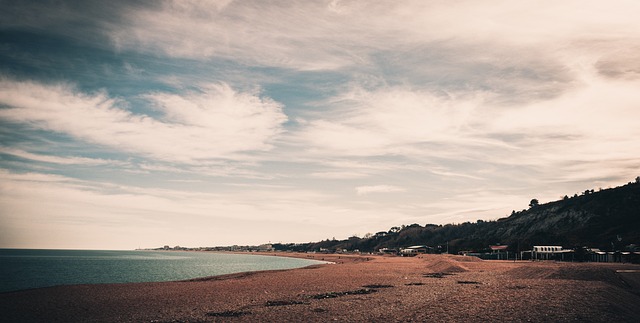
(59, 160)
(338, 175)
(213, 122)
(473, 135)
(365, 190)
(388, 120)
(593, 122)
(330, 35)
(265, 33)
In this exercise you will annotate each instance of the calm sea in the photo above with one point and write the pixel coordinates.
(28, 268)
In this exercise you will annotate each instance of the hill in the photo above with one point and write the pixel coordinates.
(608, 219)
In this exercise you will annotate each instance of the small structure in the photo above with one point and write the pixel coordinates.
(415, 250)
(500, 252)
(549, 252)
(388, 251)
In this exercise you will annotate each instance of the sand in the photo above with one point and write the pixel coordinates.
(427, 288)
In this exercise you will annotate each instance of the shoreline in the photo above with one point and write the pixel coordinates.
(357, 288)
(326, 257)
(310, 261)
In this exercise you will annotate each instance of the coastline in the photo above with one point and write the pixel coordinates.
(24, 269)
(333, 258)
(438, 288)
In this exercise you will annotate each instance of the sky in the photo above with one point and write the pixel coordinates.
(127, 124)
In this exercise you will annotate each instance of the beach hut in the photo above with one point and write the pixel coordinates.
(500, 252)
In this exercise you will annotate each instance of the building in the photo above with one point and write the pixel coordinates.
(415, 250)
(499, 252)
(388, 251)
(549, 252)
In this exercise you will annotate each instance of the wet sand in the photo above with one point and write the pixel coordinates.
(427, 288)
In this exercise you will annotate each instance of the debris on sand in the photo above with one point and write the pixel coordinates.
(283, 303)
(377, 286)
(470, 282)
(339, 294)
(436, 275)
(227, 314)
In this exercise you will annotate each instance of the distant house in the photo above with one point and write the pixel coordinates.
(499, 252)
(415, 250)
(498, 248)
(598, 255)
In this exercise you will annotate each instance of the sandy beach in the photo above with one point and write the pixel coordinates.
(427, 288)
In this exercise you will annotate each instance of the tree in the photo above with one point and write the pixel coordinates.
(394, 230)
(534, 203)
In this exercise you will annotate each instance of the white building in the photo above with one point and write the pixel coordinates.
(548, 252)
(414, 250)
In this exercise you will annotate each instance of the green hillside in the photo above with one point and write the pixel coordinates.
(607, 219)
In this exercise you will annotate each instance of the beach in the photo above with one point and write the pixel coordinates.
(355, 288)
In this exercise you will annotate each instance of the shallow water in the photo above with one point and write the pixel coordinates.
(30, 268)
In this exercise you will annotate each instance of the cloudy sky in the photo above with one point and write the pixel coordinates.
(128, 124)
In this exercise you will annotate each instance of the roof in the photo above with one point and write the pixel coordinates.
(501, 247)
(418, 247)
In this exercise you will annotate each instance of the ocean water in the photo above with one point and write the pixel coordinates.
(28, 268)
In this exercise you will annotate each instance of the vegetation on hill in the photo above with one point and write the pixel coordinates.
(608, 219)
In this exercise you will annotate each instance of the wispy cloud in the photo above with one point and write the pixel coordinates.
(385, 121)
(364, 190)
(60, 160)
(338, 175)
(214, 122)
(591, 122)
(329, 35)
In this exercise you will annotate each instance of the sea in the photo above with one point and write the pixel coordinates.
(29, 268)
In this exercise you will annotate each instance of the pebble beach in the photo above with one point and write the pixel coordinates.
(355, 288)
